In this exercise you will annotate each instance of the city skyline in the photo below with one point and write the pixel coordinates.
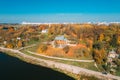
(59, 11)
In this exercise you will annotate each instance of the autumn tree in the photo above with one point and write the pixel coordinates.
(11, 29)
(9, 45)
(54, 29)
(97, 59)
(118, 40)
(98, 45)
(42, 48)
(113, 41)
(78, 52)
(97, 31)
(99, 55)
(66, 49)
(101, 37)
(118, 50)
(19, 44)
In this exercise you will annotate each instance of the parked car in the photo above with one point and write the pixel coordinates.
(104, 73)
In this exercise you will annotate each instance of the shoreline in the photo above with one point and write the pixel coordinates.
(56, 65)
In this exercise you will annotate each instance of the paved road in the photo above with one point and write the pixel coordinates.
(66, 67)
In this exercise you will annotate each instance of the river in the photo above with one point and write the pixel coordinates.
(14, 69)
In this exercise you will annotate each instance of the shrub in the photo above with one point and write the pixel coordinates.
(42, 48)
(66, 49)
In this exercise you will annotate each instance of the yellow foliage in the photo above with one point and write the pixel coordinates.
(118, 40)
(99, 55)
(9, 45)
(42, 48)
(108, 38)
(11, 29)
(19, 44)
(101, 37)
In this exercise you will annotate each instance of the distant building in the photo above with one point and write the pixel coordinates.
(18, 38)
(4, 42)
(44, 31)
(111, 55)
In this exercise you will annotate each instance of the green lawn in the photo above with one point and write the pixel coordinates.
(118, 73)
(87, 65)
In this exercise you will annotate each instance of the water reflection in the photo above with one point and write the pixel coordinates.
(14, 69)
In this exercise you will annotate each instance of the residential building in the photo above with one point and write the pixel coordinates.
(60, 41)
(44, 31)
(112, 54)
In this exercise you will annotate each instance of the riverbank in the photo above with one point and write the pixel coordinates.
(57, 65)
(12, 68)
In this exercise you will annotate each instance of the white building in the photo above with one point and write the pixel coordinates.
(112, 54)
(44, 31)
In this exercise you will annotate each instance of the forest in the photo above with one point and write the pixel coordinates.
(91, 41)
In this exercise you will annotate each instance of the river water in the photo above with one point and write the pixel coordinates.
(14, 69)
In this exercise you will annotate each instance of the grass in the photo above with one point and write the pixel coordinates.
(118, 73)
(77, 77)
(34, 49)
(85, 58)
(86, 65)
(33, 42)
(83, 77)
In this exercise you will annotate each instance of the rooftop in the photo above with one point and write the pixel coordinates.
(61, 37)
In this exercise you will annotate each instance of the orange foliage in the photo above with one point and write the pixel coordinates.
(9, 45)
(11, 29)
(99, 55)
(42, 48)
(59, 52)
(101, 37)
(30, 30)
(55, 52)
(19, 44)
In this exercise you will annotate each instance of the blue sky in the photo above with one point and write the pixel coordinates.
(59, 10)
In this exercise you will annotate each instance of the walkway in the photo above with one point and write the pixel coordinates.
(76, 60)
(61, 66)
(27, 47)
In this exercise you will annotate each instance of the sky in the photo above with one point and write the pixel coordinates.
(16, 11)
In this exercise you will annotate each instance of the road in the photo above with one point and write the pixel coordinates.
(61, 66)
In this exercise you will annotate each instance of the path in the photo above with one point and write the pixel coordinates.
(26, 47)
(76, 60)
(61, 66)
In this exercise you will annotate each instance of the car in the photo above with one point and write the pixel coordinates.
(104, 73)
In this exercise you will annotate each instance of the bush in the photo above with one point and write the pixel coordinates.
(66, 49)
(42, 48)
(10, 46)
(98, 45)
(79, 52)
